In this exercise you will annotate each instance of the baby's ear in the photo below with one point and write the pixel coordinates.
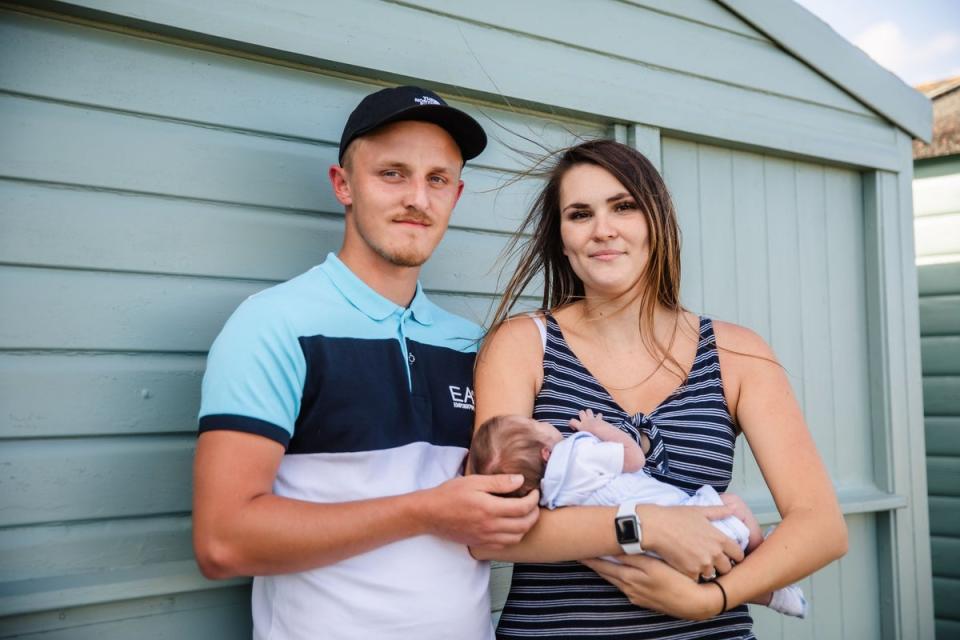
(545, 453)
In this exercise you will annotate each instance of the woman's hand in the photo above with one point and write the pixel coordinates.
(650, 583)
(685, 539)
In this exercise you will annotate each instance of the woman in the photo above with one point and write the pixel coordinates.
(614, 338)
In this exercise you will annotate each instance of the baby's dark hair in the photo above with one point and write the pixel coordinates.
(505, 444)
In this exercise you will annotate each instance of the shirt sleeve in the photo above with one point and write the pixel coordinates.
(579, 466)
(254, 377)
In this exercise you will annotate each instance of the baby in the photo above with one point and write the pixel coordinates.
(602, 465)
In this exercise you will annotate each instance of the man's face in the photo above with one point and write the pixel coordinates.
(399, 184)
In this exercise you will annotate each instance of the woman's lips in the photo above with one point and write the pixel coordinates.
(606, 255)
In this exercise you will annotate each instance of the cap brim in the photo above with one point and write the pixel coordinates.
(465, 131)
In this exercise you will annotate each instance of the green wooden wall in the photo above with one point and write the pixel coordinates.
(937, 210)
(163, 160)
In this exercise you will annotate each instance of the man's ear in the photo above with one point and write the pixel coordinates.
(459, 192)
(341, 188)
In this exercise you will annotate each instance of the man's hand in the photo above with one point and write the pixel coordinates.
(464, 511)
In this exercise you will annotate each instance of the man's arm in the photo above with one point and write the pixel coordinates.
(242, 528)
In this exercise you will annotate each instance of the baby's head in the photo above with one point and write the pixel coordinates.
(514, 444)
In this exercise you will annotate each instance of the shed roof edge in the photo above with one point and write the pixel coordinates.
(814, 42)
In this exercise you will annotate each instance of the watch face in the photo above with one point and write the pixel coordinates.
(627, 530)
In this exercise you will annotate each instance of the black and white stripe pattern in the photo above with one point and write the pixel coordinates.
(697, 436)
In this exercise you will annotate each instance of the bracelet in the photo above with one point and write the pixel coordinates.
(723, 592)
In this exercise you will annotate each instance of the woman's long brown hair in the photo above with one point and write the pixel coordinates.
(539, 248)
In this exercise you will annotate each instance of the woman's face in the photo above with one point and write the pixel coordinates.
(605, 235)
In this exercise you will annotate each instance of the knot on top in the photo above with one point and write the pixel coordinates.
(657, 459)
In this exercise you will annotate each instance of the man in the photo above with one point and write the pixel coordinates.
(337, 409)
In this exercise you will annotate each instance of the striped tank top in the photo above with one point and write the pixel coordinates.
(692, 438)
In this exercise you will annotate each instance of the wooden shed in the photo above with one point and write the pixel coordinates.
(160, 160)
(936, 201)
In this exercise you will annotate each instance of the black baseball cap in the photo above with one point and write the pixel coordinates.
(413, 103)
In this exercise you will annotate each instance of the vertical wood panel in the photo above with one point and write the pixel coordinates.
(719, 242)
(815, 310)
(753, 270)
(848, 322)
(681, 175)
(916, 545)
(859, 580)
(784, 260)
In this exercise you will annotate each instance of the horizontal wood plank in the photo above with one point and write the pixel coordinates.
(104, 150)
(946, 598)
(112, 311)
(944, 516)
(943, 435)
(936, 196)
(941, 395)
(938, 235)
(939, 279)
(114, 71)
(98, 394)
(943, 476)
(115, 311)
(945, 554)
(940, 315)
(554, 77)
(941, 355)
(706, 12)
(48, 551)
(946, 628)
(63, 227)
(140, 476)
(650, 37)
(197, 615)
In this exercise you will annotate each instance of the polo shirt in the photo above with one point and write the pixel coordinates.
(369, 399)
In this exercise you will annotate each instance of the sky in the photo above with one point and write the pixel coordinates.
(919, 40)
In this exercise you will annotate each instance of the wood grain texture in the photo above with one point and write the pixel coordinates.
(481, 62)
(197, 615)
(98, 394)
(810, 39)
(96, 478)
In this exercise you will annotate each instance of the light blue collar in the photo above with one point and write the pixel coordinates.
(371, 303)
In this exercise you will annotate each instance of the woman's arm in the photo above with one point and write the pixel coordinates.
(812, 533)
(508, 377)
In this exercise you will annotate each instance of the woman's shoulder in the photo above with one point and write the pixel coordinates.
(740, 340)
(743, 353)
(517, 337)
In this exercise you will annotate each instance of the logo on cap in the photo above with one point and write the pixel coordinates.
(426, 100)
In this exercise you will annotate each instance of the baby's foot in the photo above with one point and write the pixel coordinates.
(789, 601)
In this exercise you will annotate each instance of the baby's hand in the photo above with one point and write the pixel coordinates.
(588, 421)
(594, 424)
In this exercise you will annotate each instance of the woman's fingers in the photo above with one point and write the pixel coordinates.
(722, 565)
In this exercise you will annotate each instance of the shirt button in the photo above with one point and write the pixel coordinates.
(411, 358)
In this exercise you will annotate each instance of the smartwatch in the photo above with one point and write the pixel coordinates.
(627, 526)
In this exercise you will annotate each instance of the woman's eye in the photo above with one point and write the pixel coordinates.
(579, 214)
(625, 206)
